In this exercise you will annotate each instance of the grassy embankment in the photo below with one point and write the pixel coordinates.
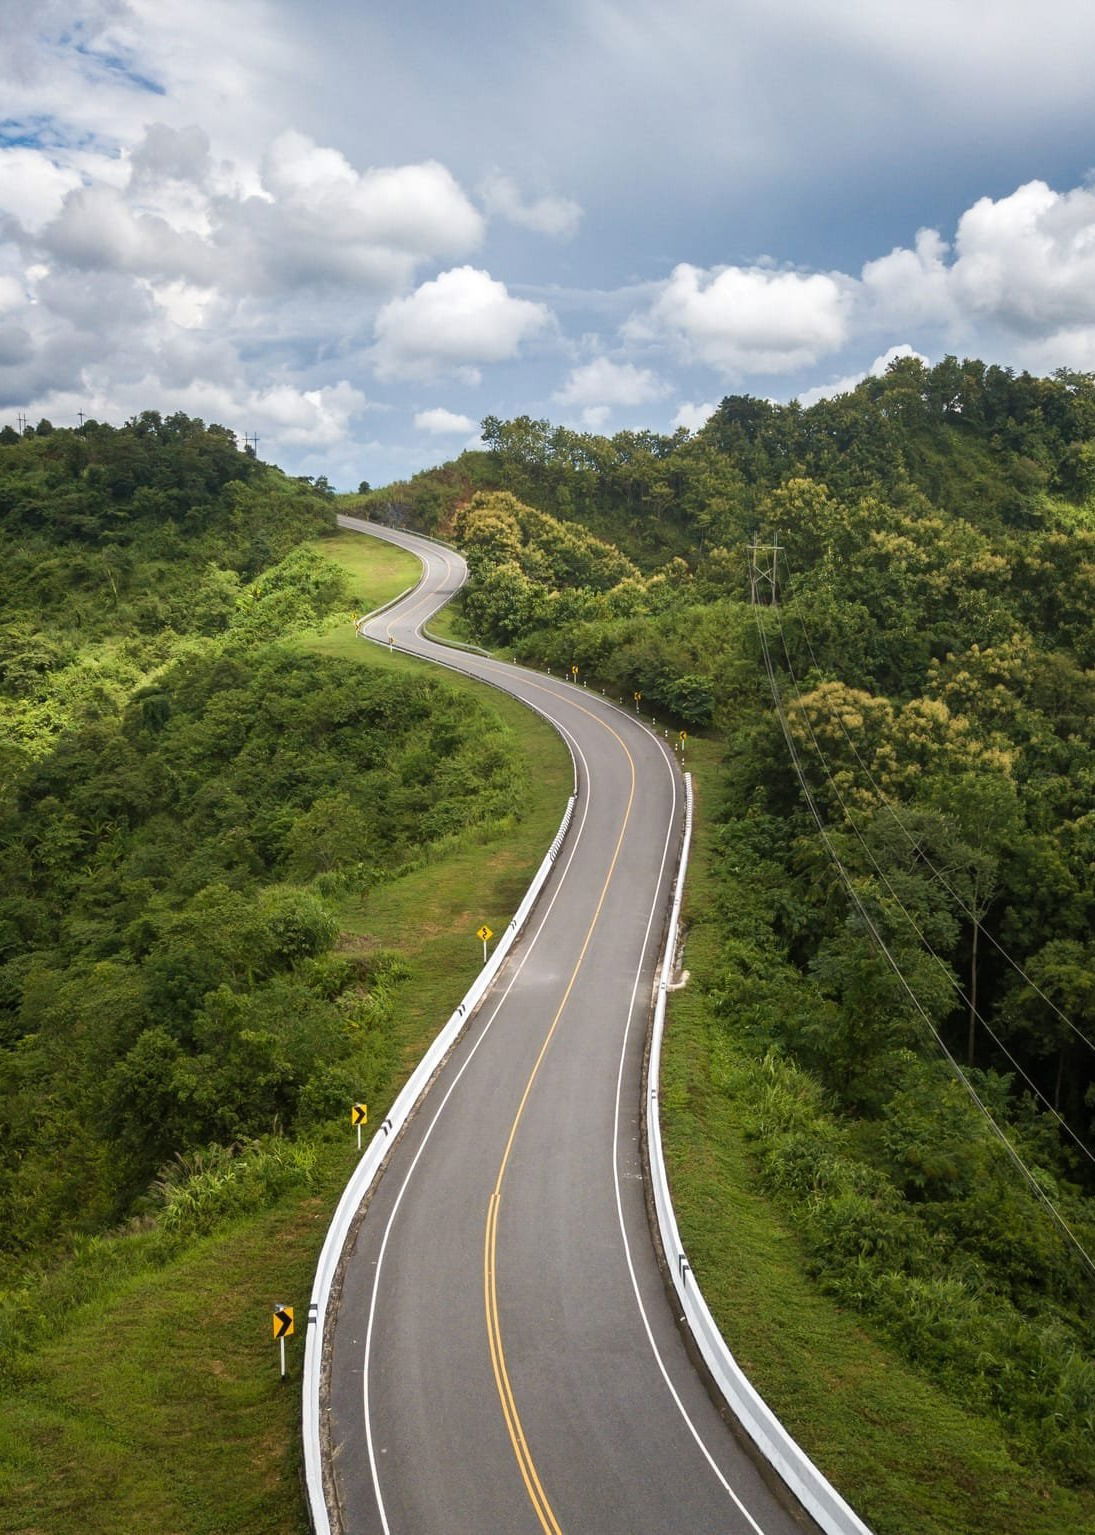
(490, 876)
(908, 1459)
(156, 1404)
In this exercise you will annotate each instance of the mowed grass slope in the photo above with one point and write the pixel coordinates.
(156, 1407)
(377, 571)
(433, 911)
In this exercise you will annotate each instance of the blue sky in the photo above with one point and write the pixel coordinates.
(357, 230)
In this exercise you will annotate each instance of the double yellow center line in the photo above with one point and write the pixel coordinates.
(523, 1455)
(525, 1464)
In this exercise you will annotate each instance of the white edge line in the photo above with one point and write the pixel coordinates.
(499, 1004)
(776, 1445)
(366, 1173)
(791, 1463)
(693, 1430)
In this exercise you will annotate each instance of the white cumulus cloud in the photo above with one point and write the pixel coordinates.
(1023, 264)
(604, 382)
(749, 319)
(692, 417)
(460, 319)
(441, 422)
(601, 385)
(313, 417)
(310, 219)
(419, 209)
(33, 185)
(846, 385)
(280, 414)
(911, 287)
(11, 293)
(97, 229)
(1029, 259)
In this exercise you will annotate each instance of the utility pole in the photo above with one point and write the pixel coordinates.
(251, 440)
(764, 572)
(80, 415)
(22, 419)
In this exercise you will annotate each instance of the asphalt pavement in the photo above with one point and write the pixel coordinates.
(504, 1357)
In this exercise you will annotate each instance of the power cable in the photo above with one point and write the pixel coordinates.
(938, 959)
(956, 1069)
(1014, 963)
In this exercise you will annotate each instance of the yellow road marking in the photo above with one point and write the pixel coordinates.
(523, 1454)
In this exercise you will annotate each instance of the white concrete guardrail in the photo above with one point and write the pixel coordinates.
(368, 1170)
(791, 1463)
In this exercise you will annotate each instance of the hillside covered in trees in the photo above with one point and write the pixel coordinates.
(880, 608)
(883, 605)
(186, 792)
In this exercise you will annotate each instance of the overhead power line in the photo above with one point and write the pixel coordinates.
(954, 894)
(940, 962)
(884, 949)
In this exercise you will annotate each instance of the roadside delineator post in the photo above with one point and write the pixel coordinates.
(283, 1328)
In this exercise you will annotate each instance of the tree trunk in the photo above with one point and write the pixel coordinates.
(971, 1041)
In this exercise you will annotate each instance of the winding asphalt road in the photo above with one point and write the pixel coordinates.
(503, 1354)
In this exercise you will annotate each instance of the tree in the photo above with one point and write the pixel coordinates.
(984, 807)
(333, 834)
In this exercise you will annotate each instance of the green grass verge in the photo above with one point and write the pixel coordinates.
(377, 571)
(449, 627)
(378, 577)
(906, 1457)
(156, 1405)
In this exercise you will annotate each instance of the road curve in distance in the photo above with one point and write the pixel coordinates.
(503, 1354)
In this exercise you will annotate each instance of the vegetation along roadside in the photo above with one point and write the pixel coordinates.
(879, 609)
(203, 979)
(880, 1085)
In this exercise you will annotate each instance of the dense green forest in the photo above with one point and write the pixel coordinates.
(881, 607)
(185, 794)
(884, 606)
